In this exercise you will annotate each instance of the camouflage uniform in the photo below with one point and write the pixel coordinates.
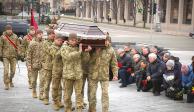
(72, 74)
(85, 68)
(99, 72)
(9, 55)
(47, 69)
(57, 70)
(34, 61)
(25, 43)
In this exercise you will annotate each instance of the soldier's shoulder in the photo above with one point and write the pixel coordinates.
(25, 37)
(33, 43)
(14, 35)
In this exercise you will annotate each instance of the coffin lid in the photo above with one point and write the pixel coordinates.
(83, 31)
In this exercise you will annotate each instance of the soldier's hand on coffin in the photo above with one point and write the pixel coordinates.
(80, 47)
(88, 49)
(65, 42)
(98, 50)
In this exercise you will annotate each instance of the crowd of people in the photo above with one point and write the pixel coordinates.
(63, 65)
(153, 68)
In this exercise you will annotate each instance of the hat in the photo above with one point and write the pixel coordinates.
(108, 38)
(61, 36)
(72, 36)
(170, 64)
(8, 27)
(31, 28)
(39, 31)
(50, 31)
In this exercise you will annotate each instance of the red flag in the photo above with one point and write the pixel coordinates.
(33, 21)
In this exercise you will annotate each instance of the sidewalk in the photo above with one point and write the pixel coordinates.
(137, 28)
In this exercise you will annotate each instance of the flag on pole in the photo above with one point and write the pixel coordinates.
(33, 21)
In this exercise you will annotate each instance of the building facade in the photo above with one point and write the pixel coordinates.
(174, 16)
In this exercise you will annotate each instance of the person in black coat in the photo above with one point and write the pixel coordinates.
(155, 71)
(124, 63)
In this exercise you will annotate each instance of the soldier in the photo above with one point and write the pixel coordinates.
(100, 61)
(57, 69)
(85, 68)
(34, 61)
(9, 50)
(72, 72)
(47, 66)
(25, 43)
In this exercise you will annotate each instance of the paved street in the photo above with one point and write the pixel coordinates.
(18, 99)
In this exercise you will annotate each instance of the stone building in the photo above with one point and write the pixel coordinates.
(175, 16)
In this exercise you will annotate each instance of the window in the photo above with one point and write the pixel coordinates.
(187, 14)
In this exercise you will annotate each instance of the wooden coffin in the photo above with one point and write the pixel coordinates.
(88, 35)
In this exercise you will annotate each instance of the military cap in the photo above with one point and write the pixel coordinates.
(31, 28)
(61, 36)
(8, 27)
(39, 31)
(73, 36)
(50, 31)
(108, 38)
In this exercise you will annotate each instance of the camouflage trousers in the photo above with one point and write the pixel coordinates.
(48, 78)
(34, 76)
(69, 84)
(42, 81)
(29, 76)
(9, 65)
(85, 77)
(56, 89)
(93, 85)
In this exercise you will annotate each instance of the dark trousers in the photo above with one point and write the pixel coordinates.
(124, 77)
(156, 85)
(139, 78)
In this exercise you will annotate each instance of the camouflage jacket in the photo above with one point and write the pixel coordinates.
(7, 50)
(71, 57)
(45, 57)
(57, 64)
(25, 43)
(85, 62)
(100, 62)
(34, 53)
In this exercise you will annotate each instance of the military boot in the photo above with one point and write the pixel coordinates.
(79, 109)
(46, 101)
(6, 86)
(68, 110)
(41, 96)
(34, 94)
(11, 83)
(84, 105)
(56, 106)
(30, 86)
(60, 104)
